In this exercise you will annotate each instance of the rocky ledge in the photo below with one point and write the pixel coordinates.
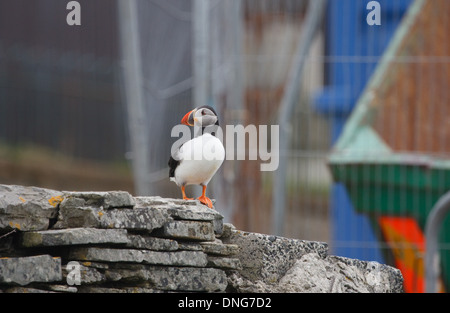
(54, 241)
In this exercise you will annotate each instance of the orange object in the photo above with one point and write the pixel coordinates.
(407, 242)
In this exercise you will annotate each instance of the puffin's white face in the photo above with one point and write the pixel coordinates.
(204, 117)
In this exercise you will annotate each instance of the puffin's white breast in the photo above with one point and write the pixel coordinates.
(200, 158)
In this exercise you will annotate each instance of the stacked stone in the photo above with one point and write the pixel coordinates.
(109, 242)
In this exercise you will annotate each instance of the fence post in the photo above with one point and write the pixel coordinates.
(432, 227)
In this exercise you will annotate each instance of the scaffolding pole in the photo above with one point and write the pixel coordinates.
(288, 102)
(201, 52)
(132, 74)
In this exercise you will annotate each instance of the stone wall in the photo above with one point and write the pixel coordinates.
(52, 241)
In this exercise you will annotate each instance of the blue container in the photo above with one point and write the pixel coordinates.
(353, 49)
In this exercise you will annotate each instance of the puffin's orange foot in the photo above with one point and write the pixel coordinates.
(186, 198)
(206, 201)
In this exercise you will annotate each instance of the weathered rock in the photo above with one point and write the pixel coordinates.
(180, 209)
(189, 279)
(23, 201)
(314, 274)
(107, 200)
(25, 270)
(146, 219)
(27, 290)
(23, 223)
(74, 236)
(172, 278)
(378, 277)
(151, 243)
(218, 248)
(177, 258)
(151, 278)
(95, 289)
(267, 257)
(192, 230)
(90, 273)
(27, 208)
(225, 263)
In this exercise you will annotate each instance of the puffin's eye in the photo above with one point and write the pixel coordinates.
(203, 112)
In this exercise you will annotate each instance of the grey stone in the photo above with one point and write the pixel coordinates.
(225, 263)
(27, 290)
(62, 288)
(89, 273)
(24, 201)
(379, 277)
(27, 208)
(23, 223)
(134, 219)
(146, 219)
(151, 243)
(171, 278)
(314, 274)
(145, 202)
(73, 217)
(25, 270)
(178, 258)
(218, 248)
(268, 258)
(107, 199)
(74, 236)
(95, 289)
(198, 213)
(179, 209)
(190, 246)
(189, 279)
(192, 230)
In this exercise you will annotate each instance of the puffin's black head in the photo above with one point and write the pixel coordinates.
(202, 116)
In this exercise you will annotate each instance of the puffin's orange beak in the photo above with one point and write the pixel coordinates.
(185, 119)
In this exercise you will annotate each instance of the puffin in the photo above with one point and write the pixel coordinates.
(196, 161)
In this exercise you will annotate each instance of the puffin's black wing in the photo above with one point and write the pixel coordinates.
(172, 166)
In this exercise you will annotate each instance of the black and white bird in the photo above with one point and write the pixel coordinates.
(198, 159)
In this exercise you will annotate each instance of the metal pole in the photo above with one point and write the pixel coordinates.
(290, 98)
(137, 117)
(200, 52)
(432, 227)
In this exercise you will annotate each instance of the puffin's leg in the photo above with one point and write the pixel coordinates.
(204, 199)
(184, 194)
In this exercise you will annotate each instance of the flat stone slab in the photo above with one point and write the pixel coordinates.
(177, 258)
(171, 278)
(151, 243)
(24, 201)
(146, 219)
(189, 279)
(27, 208)
(25, 270)
(73, 236)
(218, 248)
(179, 209)
(105, 199)
(9, 222)
(225, 263)
(191, 230)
